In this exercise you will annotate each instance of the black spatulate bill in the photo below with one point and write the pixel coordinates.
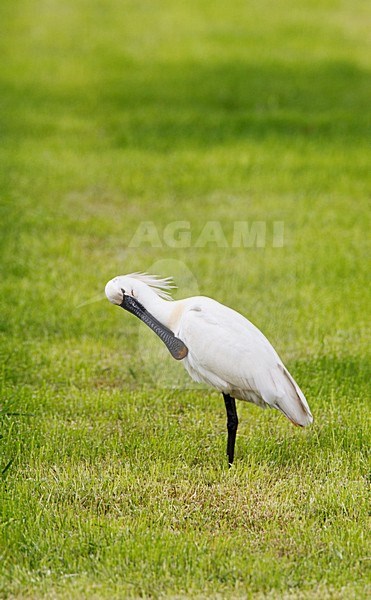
(176, 347)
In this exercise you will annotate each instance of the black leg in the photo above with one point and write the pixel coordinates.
(232, 424)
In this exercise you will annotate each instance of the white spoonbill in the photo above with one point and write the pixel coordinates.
(216, 345)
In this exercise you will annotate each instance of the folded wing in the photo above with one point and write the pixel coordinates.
(228, 352)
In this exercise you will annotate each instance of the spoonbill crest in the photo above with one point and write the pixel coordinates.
(217, 346)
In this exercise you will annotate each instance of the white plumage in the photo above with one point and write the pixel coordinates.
(162, 286)
(228, 352)
(225, 350)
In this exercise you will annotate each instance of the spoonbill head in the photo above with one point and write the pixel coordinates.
(134, 292)
(141, 286)
(216, 345)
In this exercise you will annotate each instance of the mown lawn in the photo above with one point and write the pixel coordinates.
(114, 477)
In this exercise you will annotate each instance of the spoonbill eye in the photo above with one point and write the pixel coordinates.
(123, 291)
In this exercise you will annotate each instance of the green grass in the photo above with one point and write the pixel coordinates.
(115, 483)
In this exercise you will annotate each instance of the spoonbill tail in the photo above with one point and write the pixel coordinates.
(216, 345)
